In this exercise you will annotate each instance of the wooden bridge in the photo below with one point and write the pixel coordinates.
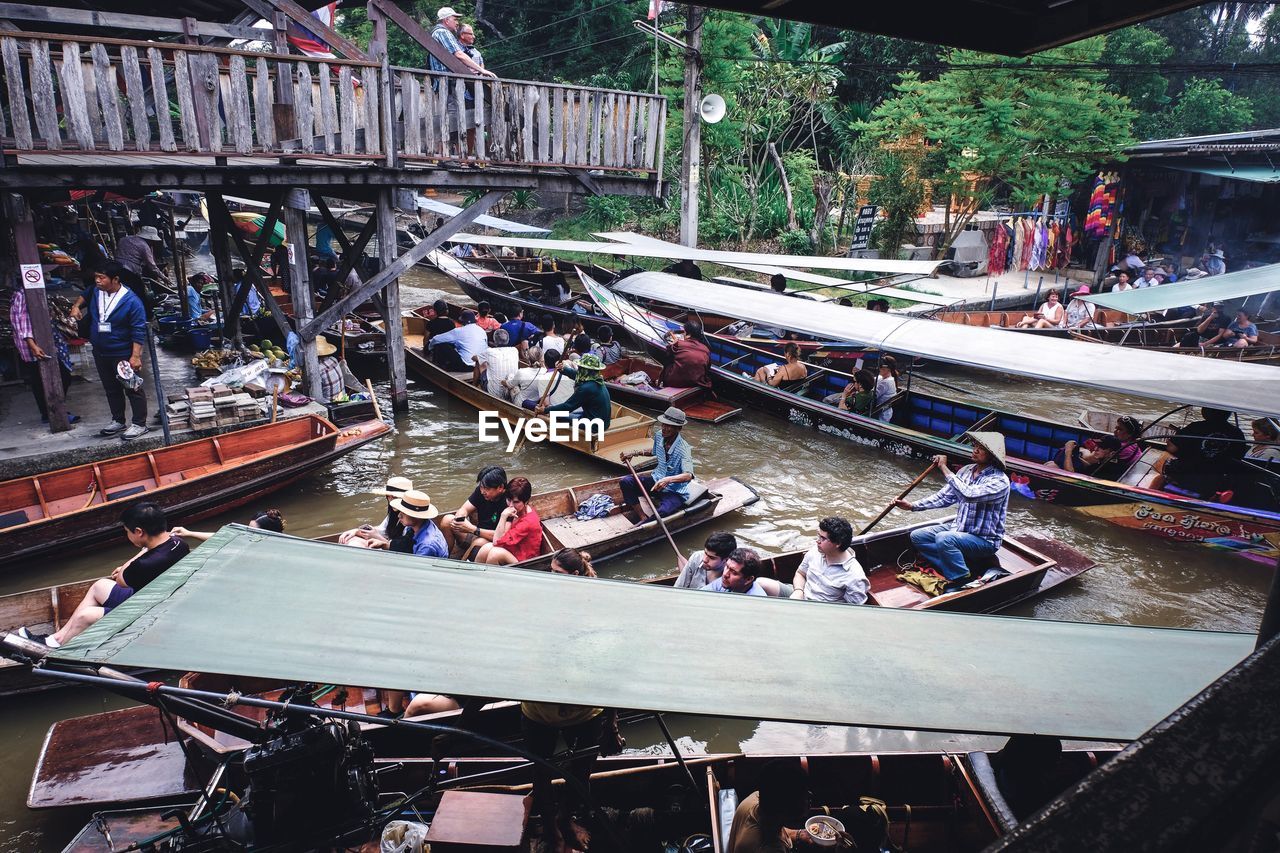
(96, 112)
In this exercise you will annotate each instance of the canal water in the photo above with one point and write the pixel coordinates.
(800, 475)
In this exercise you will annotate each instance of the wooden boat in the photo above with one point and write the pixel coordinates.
(694, 401)
(77, 508)
(1030, 564)
(1009, 319)
(1105, 422)
(1166, 338)
(361, 338)
(43, 610)
(933, 801)
(629, 430)
(924, 426)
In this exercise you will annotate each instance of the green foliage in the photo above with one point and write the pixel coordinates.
(609, 212)
(899, 193)
(1205, 107)
(522, 200)
(1147, 92)
(795, 243)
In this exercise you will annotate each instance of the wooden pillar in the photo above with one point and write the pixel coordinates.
(220, 246)
(691, 155)
(32, 282)
(387, 252)
(294, 215)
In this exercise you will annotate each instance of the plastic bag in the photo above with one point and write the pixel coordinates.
(402, 836)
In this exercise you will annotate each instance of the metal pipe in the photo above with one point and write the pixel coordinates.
(155, 372)
(671, 742)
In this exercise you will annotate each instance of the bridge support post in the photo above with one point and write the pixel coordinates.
(294, 216)
(388, 249)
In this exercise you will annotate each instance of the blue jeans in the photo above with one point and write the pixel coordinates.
(947, 550)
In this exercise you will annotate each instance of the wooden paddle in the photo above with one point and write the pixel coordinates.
(377, 410)
(680, 559)
(917, 481)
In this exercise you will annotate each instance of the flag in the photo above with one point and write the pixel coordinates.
(308, 42)
(655, 9)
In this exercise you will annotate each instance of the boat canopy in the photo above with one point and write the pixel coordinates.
(798, 275)
(484, 220)
(679, 253)
(253, 603)
(1204, 291)
(1219, 383)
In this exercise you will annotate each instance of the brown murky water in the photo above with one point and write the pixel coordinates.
(800, 475)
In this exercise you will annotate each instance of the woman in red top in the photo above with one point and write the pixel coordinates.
(518, 535)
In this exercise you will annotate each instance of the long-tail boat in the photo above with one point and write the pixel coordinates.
(79, 507)
(1009, 318)
(1167, 338)
(629, 430)
(924, 425)
(695, 401)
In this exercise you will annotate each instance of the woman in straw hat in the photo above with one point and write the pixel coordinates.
(331, 379)
(380, 536)
(416, 511)
(980, 493)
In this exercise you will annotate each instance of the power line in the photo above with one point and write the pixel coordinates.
(555, 23)
(627, 34)
(1039, 68)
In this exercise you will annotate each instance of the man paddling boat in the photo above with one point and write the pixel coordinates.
(668, 483)
(980, 493)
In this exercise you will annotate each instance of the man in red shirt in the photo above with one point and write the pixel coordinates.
(688, 359)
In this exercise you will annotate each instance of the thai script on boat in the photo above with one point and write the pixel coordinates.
(1187, 521)
(556, 426)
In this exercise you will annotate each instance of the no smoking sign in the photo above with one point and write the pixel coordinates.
(32, 276)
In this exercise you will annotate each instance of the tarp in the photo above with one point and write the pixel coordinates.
(253, 603)
(1165, 376)
(484, 220)
(877, 289)
(1258, 174)
(675, 253)
(1215, 288)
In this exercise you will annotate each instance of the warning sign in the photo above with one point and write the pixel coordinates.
(32, 276)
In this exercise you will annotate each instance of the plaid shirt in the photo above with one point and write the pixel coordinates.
(677, 460)
(448, 41)
(21, 322)
(982, 498)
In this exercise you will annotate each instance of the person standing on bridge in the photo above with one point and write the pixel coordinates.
(448, 22)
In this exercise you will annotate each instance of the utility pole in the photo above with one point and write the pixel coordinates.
(691, 156)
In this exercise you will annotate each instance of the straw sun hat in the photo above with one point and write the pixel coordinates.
(415, 504)
(993, 443)
(395, 487)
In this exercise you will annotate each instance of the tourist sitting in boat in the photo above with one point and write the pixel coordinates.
(455, 350)
(1208, 330)
(590, 397)
(554, 339)
(829, 571)
(1089, 457)
(1050, 316)
(765, 819)
(1079, 312)
(475, 523)
(1266, 435)
(707, 565)
(381, 534)
(1122, 283)
(332, 382)
(1151, 277)
(528, 385)
(687, 361)
(420, 533)
(886, 388)
(980, 493)
(778, 283)
(606, 348)
(268, 519)
(581, 346)
(520, 330)
(741, 570)
(554, 291)
(670, 478)
(1240, 332)
(685, 268)
(792, 370)
(1182, 472)
(518, 535)
(485, 318)
(1213, 438)
(495, 364)
(438, 320)
(862, 390)
(145, 527)
(878, 305)
(463, 250)
(1128, 431)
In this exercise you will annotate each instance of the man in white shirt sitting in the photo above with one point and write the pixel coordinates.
(830, 572)
(525, 386)
(496, 363)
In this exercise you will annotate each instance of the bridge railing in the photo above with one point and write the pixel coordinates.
(74, 94)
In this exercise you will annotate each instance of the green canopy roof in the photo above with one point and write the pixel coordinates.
(253, 603)
(1260, 174)
(1215, 288)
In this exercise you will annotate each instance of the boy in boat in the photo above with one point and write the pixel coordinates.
(379, 536)
(475, 523)
(829, 571)
(740, 573)
(672, 474)
(416, 512)
(707, 565)
(145, 527)
(606, 348)
(980, 493)
(518, 329)
(438, 321)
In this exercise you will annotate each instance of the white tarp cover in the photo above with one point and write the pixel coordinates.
(1164, 376)
(1204, 291)
(799, 275)
(484, 220)
(675, 253)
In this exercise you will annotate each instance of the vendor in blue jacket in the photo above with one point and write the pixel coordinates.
(118, 331)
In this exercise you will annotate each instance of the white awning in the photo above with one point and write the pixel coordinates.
(484, 220)
(1164, 376)
(634, 239)
(674, 252)
(1203, 291)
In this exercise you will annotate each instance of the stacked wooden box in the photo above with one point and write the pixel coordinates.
(215, 406)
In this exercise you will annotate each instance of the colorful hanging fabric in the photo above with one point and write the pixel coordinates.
(998, 250)
(1068, 240)
(1028, 243)
(1039, 246)
(1102, 202)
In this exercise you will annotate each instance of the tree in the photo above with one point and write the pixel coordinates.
(1022, 128)
(1147, 91)
(1205, 107)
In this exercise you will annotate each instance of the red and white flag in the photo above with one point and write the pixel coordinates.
(655, 9)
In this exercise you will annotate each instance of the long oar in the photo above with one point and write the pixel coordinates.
(917, 481)
(680, 560)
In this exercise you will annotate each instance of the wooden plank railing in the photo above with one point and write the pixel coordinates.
(72, 94)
